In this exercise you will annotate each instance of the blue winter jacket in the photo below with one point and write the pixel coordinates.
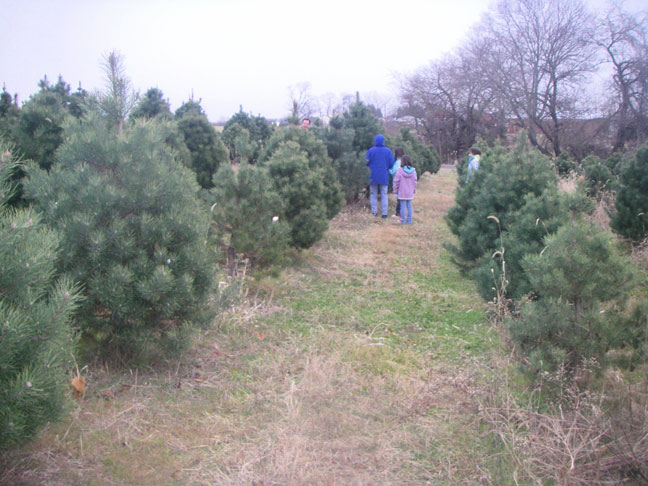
(379, 160)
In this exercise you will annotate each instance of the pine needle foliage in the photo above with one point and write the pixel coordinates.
(499, 188)
(631, 218)
(133, 234)
(317, 160)
(303, 188)
(347, 162)
(247, 215)
(36, 334)
(425, 158)
(579, 312)
(205, 146)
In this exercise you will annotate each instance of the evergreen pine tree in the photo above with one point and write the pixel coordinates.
(540, 216)
(239, 143)
(631, 218)
(36, 337)
(581, 286)
(337, 138)
(152, 105)
(256, 129)
(498, 189)
(317, 160)
(599, 178)
(9, 114)
(425, 158)
(364, 123)
(204, 144)
(247, 215)
(133, 231)
(39, 131)
(303, 190)
(353, 174)
(349, 165)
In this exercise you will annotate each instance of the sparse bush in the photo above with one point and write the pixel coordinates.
(247, 215)
(134, 235)
(587, 438)
(36, 335)
(599, 178)
(564, 164)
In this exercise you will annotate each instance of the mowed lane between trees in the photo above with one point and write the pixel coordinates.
(360, 364)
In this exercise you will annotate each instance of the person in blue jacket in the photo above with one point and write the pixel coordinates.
(379, 160)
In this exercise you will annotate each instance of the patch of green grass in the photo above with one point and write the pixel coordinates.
(380, 359)
(434, 309)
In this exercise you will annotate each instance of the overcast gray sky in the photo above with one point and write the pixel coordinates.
(232, 52)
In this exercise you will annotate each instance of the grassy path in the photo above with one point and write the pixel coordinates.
(359, 366)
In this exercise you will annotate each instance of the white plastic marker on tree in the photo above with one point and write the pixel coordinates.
(275, 219)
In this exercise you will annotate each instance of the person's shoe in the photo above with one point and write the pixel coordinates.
(384, 216)
(375, 214)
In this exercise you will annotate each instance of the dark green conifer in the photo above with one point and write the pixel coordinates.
(248, 215)
(580, 290)
(134, 234)
(631, 218)
(302, 187)
(36, 336)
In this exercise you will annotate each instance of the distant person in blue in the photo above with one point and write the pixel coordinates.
(379, 160)
(473, 162)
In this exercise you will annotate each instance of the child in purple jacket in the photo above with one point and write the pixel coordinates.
(405, 188)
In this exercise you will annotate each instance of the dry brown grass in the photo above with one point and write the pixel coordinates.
(587, 438)
(257, 403)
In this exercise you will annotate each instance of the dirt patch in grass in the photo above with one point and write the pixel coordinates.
(359, 365)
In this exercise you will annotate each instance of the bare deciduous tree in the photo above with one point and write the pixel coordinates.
(624, 39)
(450, 101)
(539, 53)
(302, 103)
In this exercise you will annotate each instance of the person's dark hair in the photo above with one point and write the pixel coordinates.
(406, 161)
(399, 152)
(475, 151)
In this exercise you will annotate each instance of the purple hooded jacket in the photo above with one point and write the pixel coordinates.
(405, 183)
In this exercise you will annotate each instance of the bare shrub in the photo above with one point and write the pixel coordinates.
(639, 254)
(601, 214)
(584, 438)
(569, 184)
